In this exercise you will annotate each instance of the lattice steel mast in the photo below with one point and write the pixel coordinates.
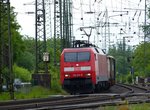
(62, 25)
(42, 56)
(40, 36)
(48, 20)
(67, 23)
(6, 46)
(57, 25)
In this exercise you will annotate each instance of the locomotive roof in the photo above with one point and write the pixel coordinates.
(96, 50)
(110, 57)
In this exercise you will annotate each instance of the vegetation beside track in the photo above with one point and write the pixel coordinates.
(144, 106)
(32, 92)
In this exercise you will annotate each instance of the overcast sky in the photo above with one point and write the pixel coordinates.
(26, 21)
(114, 9)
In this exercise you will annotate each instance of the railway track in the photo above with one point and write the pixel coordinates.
(79, 101)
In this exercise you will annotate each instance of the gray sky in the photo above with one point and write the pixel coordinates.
(114, 9)
(26, 21)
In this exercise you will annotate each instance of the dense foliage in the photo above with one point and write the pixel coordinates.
(21, 73)
(141, 59)
(137, 58)
(17, 43)
(24, 54)
(121, 56)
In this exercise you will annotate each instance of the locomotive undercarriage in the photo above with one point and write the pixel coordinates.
(78, 85)
(102, 85)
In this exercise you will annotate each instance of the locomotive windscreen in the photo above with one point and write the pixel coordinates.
(76, 56)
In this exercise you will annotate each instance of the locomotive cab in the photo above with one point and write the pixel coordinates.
(77, 70)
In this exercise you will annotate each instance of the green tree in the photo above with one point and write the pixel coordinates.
(29, 43)
(139, 62)
(27, 57)
(26, 60)
(122, 65)
(17, 42)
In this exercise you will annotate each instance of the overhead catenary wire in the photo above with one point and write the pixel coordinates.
(122, 16)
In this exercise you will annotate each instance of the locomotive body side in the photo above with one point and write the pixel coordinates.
(111, 70)
(102, 66)
(102, 75)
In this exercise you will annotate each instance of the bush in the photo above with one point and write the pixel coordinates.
(21, 73)
(129, 78)
(55, 79)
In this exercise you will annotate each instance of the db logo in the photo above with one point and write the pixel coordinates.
(77, 68)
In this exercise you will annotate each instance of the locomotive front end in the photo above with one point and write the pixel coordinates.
(77, 70)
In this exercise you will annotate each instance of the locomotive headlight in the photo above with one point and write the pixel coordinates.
(88, 74)
(67, 75)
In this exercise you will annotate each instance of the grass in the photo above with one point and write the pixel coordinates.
(32, 92)
(144, 106)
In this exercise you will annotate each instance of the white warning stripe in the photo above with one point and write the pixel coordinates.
(82, 68)
(85, 68)
(68, 69)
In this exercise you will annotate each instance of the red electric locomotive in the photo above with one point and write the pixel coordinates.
(86, 69)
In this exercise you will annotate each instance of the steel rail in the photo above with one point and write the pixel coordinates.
(68, 100)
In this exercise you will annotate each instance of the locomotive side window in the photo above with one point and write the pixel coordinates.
(76, 56)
